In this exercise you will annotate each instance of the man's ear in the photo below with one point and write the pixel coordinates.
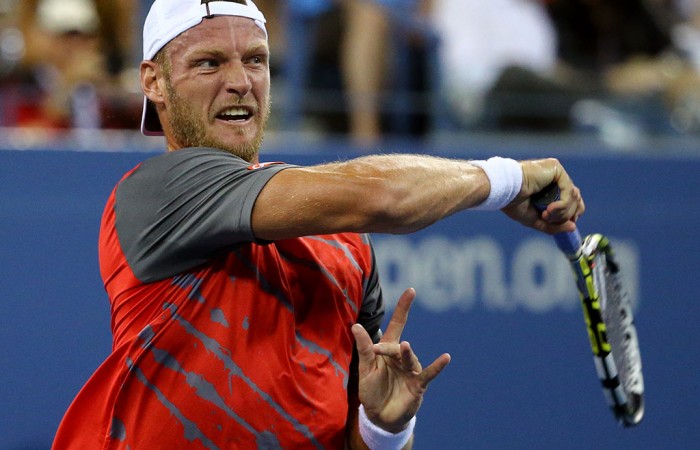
(151, 75)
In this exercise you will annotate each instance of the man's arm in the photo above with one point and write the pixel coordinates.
(398, 194)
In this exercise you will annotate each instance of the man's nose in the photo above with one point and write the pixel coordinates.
(237, 80)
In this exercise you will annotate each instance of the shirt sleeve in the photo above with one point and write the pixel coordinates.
(372, 310)
(178, 210)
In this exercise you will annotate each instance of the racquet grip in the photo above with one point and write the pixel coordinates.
(568, 242)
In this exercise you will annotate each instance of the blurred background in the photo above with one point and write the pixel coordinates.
(611, 88)
(372, 70)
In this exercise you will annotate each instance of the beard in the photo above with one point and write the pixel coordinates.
(190, 131)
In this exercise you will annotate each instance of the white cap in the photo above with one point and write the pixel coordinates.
(167, 19)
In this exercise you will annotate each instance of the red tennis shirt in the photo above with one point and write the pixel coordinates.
(219, 341)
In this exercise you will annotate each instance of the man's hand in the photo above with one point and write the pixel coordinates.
(392, 381)
(559, 216)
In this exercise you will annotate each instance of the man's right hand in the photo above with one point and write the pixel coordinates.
(561, 215)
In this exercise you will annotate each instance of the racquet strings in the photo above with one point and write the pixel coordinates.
(621, 333)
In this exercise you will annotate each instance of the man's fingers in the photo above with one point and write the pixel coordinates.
(433, 370)
(391, 349)
(409, 360)
(561, 215)
(399, 317)
(364, 345)
(558, 213)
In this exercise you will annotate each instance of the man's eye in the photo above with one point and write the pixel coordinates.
(257, 60)
(208, 63)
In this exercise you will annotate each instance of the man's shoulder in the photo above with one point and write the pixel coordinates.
(186, 159)
(194, 153)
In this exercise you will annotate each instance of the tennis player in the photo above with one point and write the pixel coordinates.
(240, 290)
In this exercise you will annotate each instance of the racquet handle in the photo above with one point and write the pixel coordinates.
(568, 242)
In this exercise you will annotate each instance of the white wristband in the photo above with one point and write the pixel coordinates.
(506, 178)
(378, 439)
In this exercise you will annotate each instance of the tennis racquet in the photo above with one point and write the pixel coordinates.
(608, 315)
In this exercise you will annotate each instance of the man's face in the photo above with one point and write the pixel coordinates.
(218, 87)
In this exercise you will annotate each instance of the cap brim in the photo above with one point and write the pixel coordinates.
(150, 124)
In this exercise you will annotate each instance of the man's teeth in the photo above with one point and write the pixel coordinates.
(235, 113)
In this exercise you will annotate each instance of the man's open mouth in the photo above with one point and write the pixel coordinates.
(236, 114)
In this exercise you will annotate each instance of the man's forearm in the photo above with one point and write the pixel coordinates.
(385, 193)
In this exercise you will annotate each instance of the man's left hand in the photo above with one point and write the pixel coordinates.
(392, 381)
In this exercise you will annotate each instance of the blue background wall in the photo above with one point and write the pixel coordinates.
(496, 296)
